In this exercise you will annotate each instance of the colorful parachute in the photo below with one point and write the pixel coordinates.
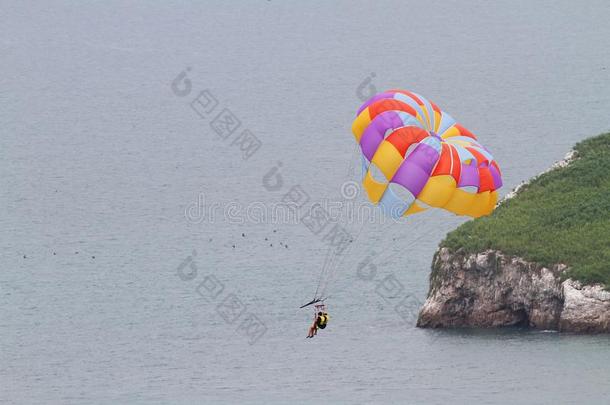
(416, 156)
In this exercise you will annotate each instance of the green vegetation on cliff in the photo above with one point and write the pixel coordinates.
(562, 216)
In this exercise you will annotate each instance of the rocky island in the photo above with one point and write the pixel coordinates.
(542, 259)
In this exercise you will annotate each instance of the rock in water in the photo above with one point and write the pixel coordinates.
(491, 289)
(585, 308)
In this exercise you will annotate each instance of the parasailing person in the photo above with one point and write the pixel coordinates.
(320, 321)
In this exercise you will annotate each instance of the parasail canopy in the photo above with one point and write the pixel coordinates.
(416, 156)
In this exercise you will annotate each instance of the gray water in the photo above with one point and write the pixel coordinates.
(103, 164)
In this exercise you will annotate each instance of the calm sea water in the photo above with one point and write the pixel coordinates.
(103, 165)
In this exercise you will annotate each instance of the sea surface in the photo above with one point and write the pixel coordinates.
(145, 152)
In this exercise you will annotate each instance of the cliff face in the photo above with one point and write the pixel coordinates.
(490, 289)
